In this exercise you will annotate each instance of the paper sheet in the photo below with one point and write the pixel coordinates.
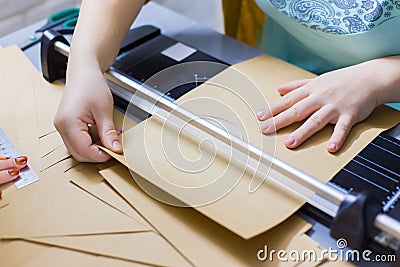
(59, 154)
(17, 110)
(87, 177)
(49, 142)
(338, 263)
(3, 203)
(176, 161)
(53, 207)
(16, 252)
(202, 241)
(29, 254)
(145, 248)
(48, 97)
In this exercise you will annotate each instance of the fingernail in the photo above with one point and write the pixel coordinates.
(3, 158)
(13, 172)
(22, 160)
(260, 114)
(265, 126)
(290, 141)
(332, 147)
(281, 89)
(117, 145)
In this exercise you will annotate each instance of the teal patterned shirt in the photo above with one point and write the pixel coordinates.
(323, 35)
(339, 16)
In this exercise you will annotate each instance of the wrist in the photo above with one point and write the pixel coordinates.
(383, 74)
(89, 56)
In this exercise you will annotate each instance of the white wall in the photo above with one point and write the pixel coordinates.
(15, 14)
(205, 12)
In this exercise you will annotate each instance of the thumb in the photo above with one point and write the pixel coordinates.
(109, 135)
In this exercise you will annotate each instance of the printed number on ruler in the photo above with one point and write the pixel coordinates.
(7, 149)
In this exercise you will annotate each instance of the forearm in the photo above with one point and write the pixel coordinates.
(100, 30)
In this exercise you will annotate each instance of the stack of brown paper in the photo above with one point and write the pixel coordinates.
(217, 186)
(87, 215)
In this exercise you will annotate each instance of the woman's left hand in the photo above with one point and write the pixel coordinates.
(10, 168)
(342, 97)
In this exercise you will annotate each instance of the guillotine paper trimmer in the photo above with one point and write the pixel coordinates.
(326, 192)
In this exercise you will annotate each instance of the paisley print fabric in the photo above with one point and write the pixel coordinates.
(339, 16)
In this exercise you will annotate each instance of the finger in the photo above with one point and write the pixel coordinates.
(297, 112)
(288, 87)
(80, 145)
(87, 151)
(8, 175)
(340, 132)
(19, 162)
(109, 134)
(315, 123)
(264, 114)
(283, 104)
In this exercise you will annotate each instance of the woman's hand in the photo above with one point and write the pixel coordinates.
(100, 29)
(9, 168)
(343, 97)
(87, 100)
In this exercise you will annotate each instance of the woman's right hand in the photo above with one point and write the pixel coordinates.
(87, 100)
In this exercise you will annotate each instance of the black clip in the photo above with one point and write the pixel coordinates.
(354, 220)
(54, 65)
